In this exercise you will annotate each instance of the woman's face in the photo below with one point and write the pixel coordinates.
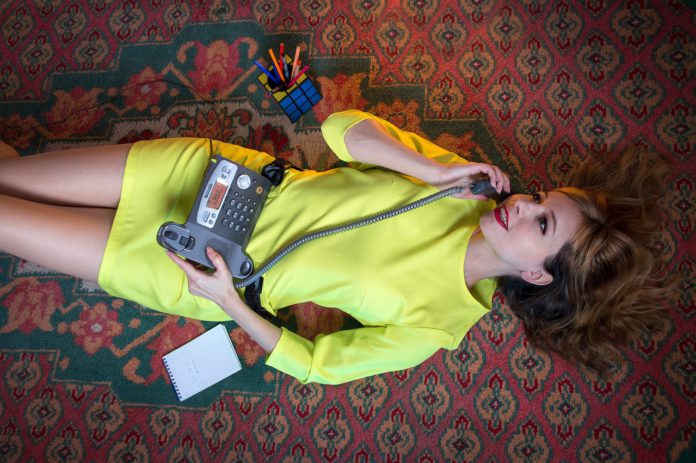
(525, 230)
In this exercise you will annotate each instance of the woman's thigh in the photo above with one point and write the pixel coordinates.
(76, 177)
(69, 240)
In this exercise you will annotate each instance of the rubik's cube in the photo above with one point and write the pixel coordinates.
(295, 100)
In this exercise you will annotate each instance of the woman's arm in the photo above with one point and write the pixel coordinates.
(329, 359)
(218, 288)
(369, 142)
(347, 355)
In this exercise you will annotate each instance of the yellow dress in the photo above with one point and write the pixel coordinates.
(402, 278)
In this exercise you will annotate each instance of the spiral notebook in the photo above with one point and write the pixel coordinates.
(202, 362)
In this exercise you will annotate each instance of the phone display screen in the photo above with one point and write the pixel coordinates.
(217, 195)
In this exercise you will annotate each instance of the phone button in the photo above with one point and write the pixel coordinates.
(243, 182)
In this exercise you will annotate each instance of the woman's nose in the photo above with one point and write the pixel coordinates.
(525, 205)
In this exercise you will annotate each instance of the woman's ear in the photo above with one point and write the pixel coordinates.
(536, 278)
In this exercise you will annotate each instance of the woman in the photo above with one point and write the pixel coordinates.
(417, 282)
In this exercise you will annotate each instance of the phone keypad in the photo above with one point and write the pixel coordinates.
(239, 209)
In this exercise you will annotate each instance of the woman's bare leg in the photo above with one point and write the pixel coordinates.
(69, 240)
(35, 223)
(89, 177)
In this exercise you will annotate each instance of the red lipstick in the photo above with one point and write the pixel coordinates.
(501, 216)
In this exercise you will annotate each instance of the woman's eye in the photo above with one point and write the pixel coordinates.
(536, 197)
(542, 224)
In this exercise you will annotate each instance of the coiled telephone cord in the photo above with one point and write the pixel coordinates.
(346, 227)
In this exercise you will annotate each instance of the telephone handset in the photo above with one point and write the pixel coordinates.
(483, 186)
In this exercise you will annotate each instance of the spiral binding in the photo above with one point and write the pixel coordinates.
(171, 377)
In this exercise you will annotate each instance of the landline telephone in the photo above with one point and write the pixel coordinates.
(223, 216)
(228, 205)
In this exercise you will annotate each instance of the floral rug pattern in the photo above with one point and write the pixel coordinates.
(531, 86)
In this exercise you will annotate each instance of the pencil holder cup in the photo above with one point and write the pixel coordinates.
(296, 99)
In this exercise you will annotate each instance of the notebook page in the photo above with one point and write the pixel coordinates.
(202, 362)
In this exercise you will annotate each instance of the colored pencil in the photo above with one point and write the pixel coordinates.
(295, 62)
(271, 78)
(302, 71)
(281, 60)
(278, 69)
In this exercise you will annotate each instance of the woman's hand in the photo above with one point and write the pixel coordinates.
(217, 287)
(449, 175)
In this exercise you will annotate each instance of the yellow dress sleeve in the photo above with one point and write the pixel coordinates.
(336, 125)
(352, 354)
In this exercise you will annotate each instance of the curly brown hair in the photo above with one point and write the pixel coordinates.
(609, 283)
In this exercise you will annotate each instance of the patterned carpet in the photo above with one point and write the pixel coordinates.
(531, 86)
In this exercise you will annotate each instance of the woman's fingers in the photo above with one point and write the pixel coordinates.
(216, 286)
(498, 179)
(181, 263)
(218, 262)
(192, 274)
(465, 174)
